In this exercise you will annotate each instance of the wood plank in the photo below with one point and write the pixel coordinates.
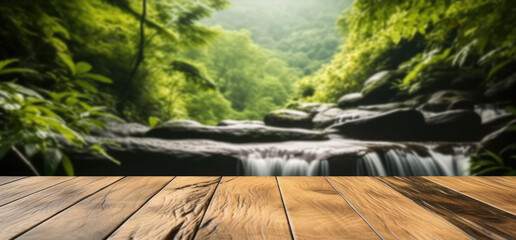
(99, 215)
(246, 208)
(317, 211)
(174, 213)
(21, 215)
(506, 181)
(8, 179)
(476, 218)
(497, 195)
(21, 188)
(390, 213)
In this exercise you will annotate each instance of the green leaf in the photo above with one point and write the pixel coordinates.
(52, 158)
(153, 121)
(6, 62)
(67, 165)
(67, 60)
(98, 78)
(497, 158)
(86, 85)
(17, 70)
(82, 67)
(101, 151)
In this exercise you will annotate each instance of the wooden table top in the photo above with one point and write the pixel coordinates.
(258, 207)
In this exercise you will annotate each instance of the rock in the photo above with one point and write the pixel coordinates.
(503, 90)
(336, 115)
(378, 88)
(465, 104)
(235, 134)
(442, 100)
(498, 140)
(466, 82)
(289, 119)
(225, 123)
(497, 123)
(114, 129)
(180, 123)
(397, 125)
(413, 103)
(315, 108)
(456, 125)
(156, 157)
(350, 100)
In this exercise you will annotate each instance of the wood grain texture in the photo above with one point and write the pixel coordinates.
(21, 215)
(317, 211)
(390, 213)
(5, 180)
(23, 187)
(245, 208)
(99, 215)
(476, 218)
(497, 195)
(174, 213)
(506, 181)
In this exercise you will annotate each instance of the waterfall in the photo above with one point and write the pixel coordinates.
(342, 157)
(397, 162)
(489, 111)
(273, 162)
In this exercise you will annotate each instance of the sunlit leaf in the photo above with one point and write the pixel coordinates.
(82, 67)
(68, 166)
(67, 60)
(98, 78)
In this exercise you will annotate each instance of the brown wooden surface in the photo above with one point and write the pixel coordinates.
(44, 204)
(390, 213)
(477, 219)
(246, 208)
(174, 213)
(257, 207)
(317, 211)
(4, 180)
(97, 216)
(492, 193)
(23, 187)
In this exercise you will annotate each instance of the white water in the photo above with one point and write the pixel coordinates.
(398, 162)
(257, 165)
(393, 162)
(489, 111)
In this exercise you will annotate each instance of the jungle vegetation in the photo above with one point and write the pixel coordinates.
(69, 66)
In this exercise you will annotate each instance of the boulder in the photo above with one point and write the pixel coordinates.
(315, 108)
(225, 123)
(180, 123)
(464, 104)
(497, 123)
(397, 125)
(412, 103)
(235, 133)
(114, 129)
(337, 115)
(442, 100)
(503, 90)
(456, 125)
(378, 88)
(350, 100)
(157, 157)
(289, 119)
(498, 140)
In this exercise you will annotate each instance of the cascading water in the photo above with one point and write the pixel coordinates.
(380, 160)
(396, 162)
(279, 163)
(489, 111)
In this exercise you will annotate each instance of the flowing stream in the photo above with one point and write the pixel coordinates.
(375, 159)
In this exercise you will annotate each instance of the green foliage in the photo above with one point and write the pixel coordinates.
(420, 38)
(302, 33)
(251, 81)
(488, 163)
(34, 117)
